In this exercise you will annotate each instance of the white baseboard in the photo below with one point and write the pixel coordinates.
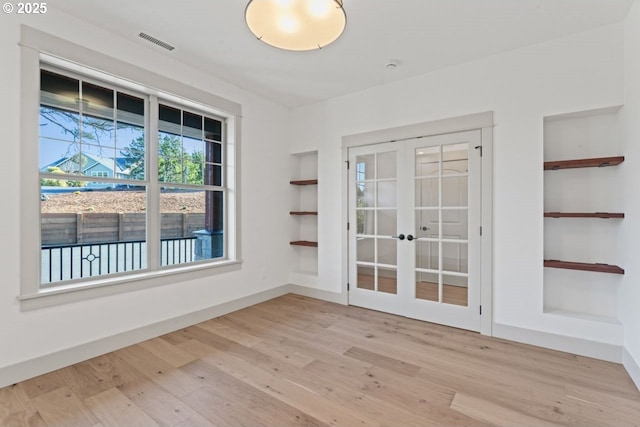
(632, 367)
(582, 347)
(301, 278)
(50, 362)
(306, 291)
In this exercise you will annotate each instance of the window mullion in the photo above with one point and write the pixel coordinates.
(153, 187)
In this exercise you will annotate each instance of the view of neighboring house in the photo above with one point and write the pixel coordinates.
(92, 165)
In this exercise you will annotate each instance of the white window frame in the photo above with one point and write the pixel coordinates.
(39, 48)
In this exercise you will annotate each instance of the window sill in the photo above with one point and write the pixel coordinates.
(121, 284)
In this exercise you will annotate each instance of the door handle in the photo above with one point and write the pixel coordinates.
(399, 236)
(410, 237)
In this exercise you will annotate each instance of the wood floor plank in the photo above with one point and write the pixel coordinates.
(232, 333)
(315, 352)
(612, 401)
(61, 407)
(322, 383)
(377, 396)
(615, 373)
(299, 361)
(289, 391)
(321, 337)
(9, 403)
(167, 352)
(166, 409)
(394, 365)
(223, 389)
(85, 380)
(113, 371)
(23, 419)
(158, 370)
(284, 353)
(114, 409)
(509, 371)
(598, 408)
(43, 384)
(17, 410)
(491, 413)
(173, 338)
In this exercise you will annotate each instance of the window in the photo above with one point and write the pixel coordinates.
(108, 227)
(190, 167)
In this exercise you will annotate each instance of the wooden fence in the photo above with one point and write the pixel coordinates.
(66, 228)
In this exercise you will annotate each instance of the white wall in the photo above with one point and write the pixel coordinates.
(26, 335)
(579, 72)
(630, 291)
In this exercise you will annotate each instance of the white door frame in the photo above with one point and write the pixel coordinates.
(480, 121)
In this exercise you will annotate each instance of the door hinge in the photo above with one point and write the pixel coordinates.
(481, 230)
(348, 164)
(480, 148)
(480, 310)
(348, 226)
(348, 286)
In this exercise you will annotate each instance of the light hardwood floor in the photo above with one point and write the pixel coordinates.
(296, 361)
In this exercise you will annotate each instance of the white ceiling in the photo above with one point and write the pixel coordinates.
(422, 35)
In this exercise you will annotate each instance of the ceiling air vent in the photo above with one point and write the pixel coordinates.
(154, 40)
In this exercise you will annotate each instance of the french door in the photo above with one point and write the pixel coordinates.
(414, 228)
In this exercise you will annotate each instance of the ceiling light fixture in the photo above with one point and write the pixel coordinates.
(296, 24)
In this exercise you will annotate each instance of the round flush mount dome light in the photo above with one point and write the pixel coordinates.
(296, 24)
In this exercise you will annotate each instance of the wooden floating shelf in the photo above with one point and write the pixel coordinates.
(303, 213)
(602, 268)
(304, 182)
(584, 163)
(304, 243)
(583, 215)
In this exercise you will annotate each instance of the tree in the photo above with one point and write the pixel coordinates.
(173, 164)
(193, 168)
(94, 130)
(170, 159)
(134, 158)
(54, 182)
(60, 182)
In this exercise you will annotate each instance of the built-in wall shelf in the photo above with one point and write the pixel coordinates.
(602, 268)
(596, 162)
(304, 243)
(304, 213)
(583, 215)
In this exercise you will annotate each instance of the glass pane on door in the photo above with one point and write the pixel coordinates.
(427, 286)
(365, 250)
(441, 207)
(428, 161)
(455, 159)
(387, 251)
(377, 221)
(454, 290)
(388, 280)
(366, 278)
